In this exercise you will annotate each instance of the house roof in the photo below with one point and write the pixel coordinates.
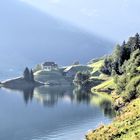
(49, 64)
(68, 68)
(76, 68)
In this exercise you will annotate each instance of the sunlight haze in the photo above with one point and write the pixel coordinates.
(111, 19)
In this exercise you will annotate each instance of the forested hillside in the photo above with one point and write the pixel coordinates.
(123, 65)
(122, 72)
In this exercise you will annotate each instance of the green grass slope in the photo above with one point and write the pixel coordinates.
(126, 126)
(96, 67)
(54, 77)
(106, 84)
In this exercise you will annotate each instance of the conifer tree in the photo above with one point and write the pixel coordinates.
(136, 42)
(31, 75)
(26, 74)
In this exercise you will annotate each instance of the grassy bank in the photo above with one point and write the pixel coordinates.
(107, 82)
(126, 126)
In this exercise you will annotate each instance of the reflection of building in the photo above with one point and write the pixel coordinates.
(49, 96)
(46, 99)
(49, 66)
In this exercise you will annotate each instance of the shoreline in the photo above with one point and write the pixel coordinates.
(124, 126)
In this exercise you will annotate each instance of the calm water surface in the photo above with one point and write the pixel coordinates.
(50, 113)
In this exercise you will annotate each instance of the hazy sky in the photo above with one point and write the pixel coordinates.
(33, 36)
(27, 29)
(114, 19)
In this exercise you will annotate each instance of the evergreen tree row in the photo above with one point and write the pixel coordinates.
(122, 53)
(28, 75)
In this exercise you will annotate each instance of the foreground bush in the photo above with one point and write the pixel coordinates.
(132, 89)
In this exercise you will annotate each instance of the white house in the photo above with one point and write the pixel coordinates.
(49, 66)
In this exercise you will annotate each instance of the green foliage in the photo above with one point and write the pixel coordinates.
(96, 65)
(126, 126)
(131, 65)
(107, 67)
(127, 82)
(80, 78)
(121, 55)
(82, 81)
(121, 82)
(132, 89)
(104, 86)
(123, 66)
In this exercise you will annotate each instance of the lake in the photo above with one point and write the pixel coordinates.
(51, 113)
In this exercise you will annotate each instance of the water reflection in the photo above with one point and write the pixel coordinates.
(49, 96)
(81, 97)
(28, 94)
(106, 106)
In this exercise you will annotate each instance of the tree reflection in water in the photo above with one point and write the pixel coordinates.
(28, 94)
(106, 106)
(81, 96)
(50, 95)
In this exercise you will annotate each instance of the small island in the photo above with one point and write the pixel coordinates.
(21, 83)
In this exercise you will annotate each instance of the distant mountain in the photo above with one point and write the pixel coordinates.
(28, 36)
